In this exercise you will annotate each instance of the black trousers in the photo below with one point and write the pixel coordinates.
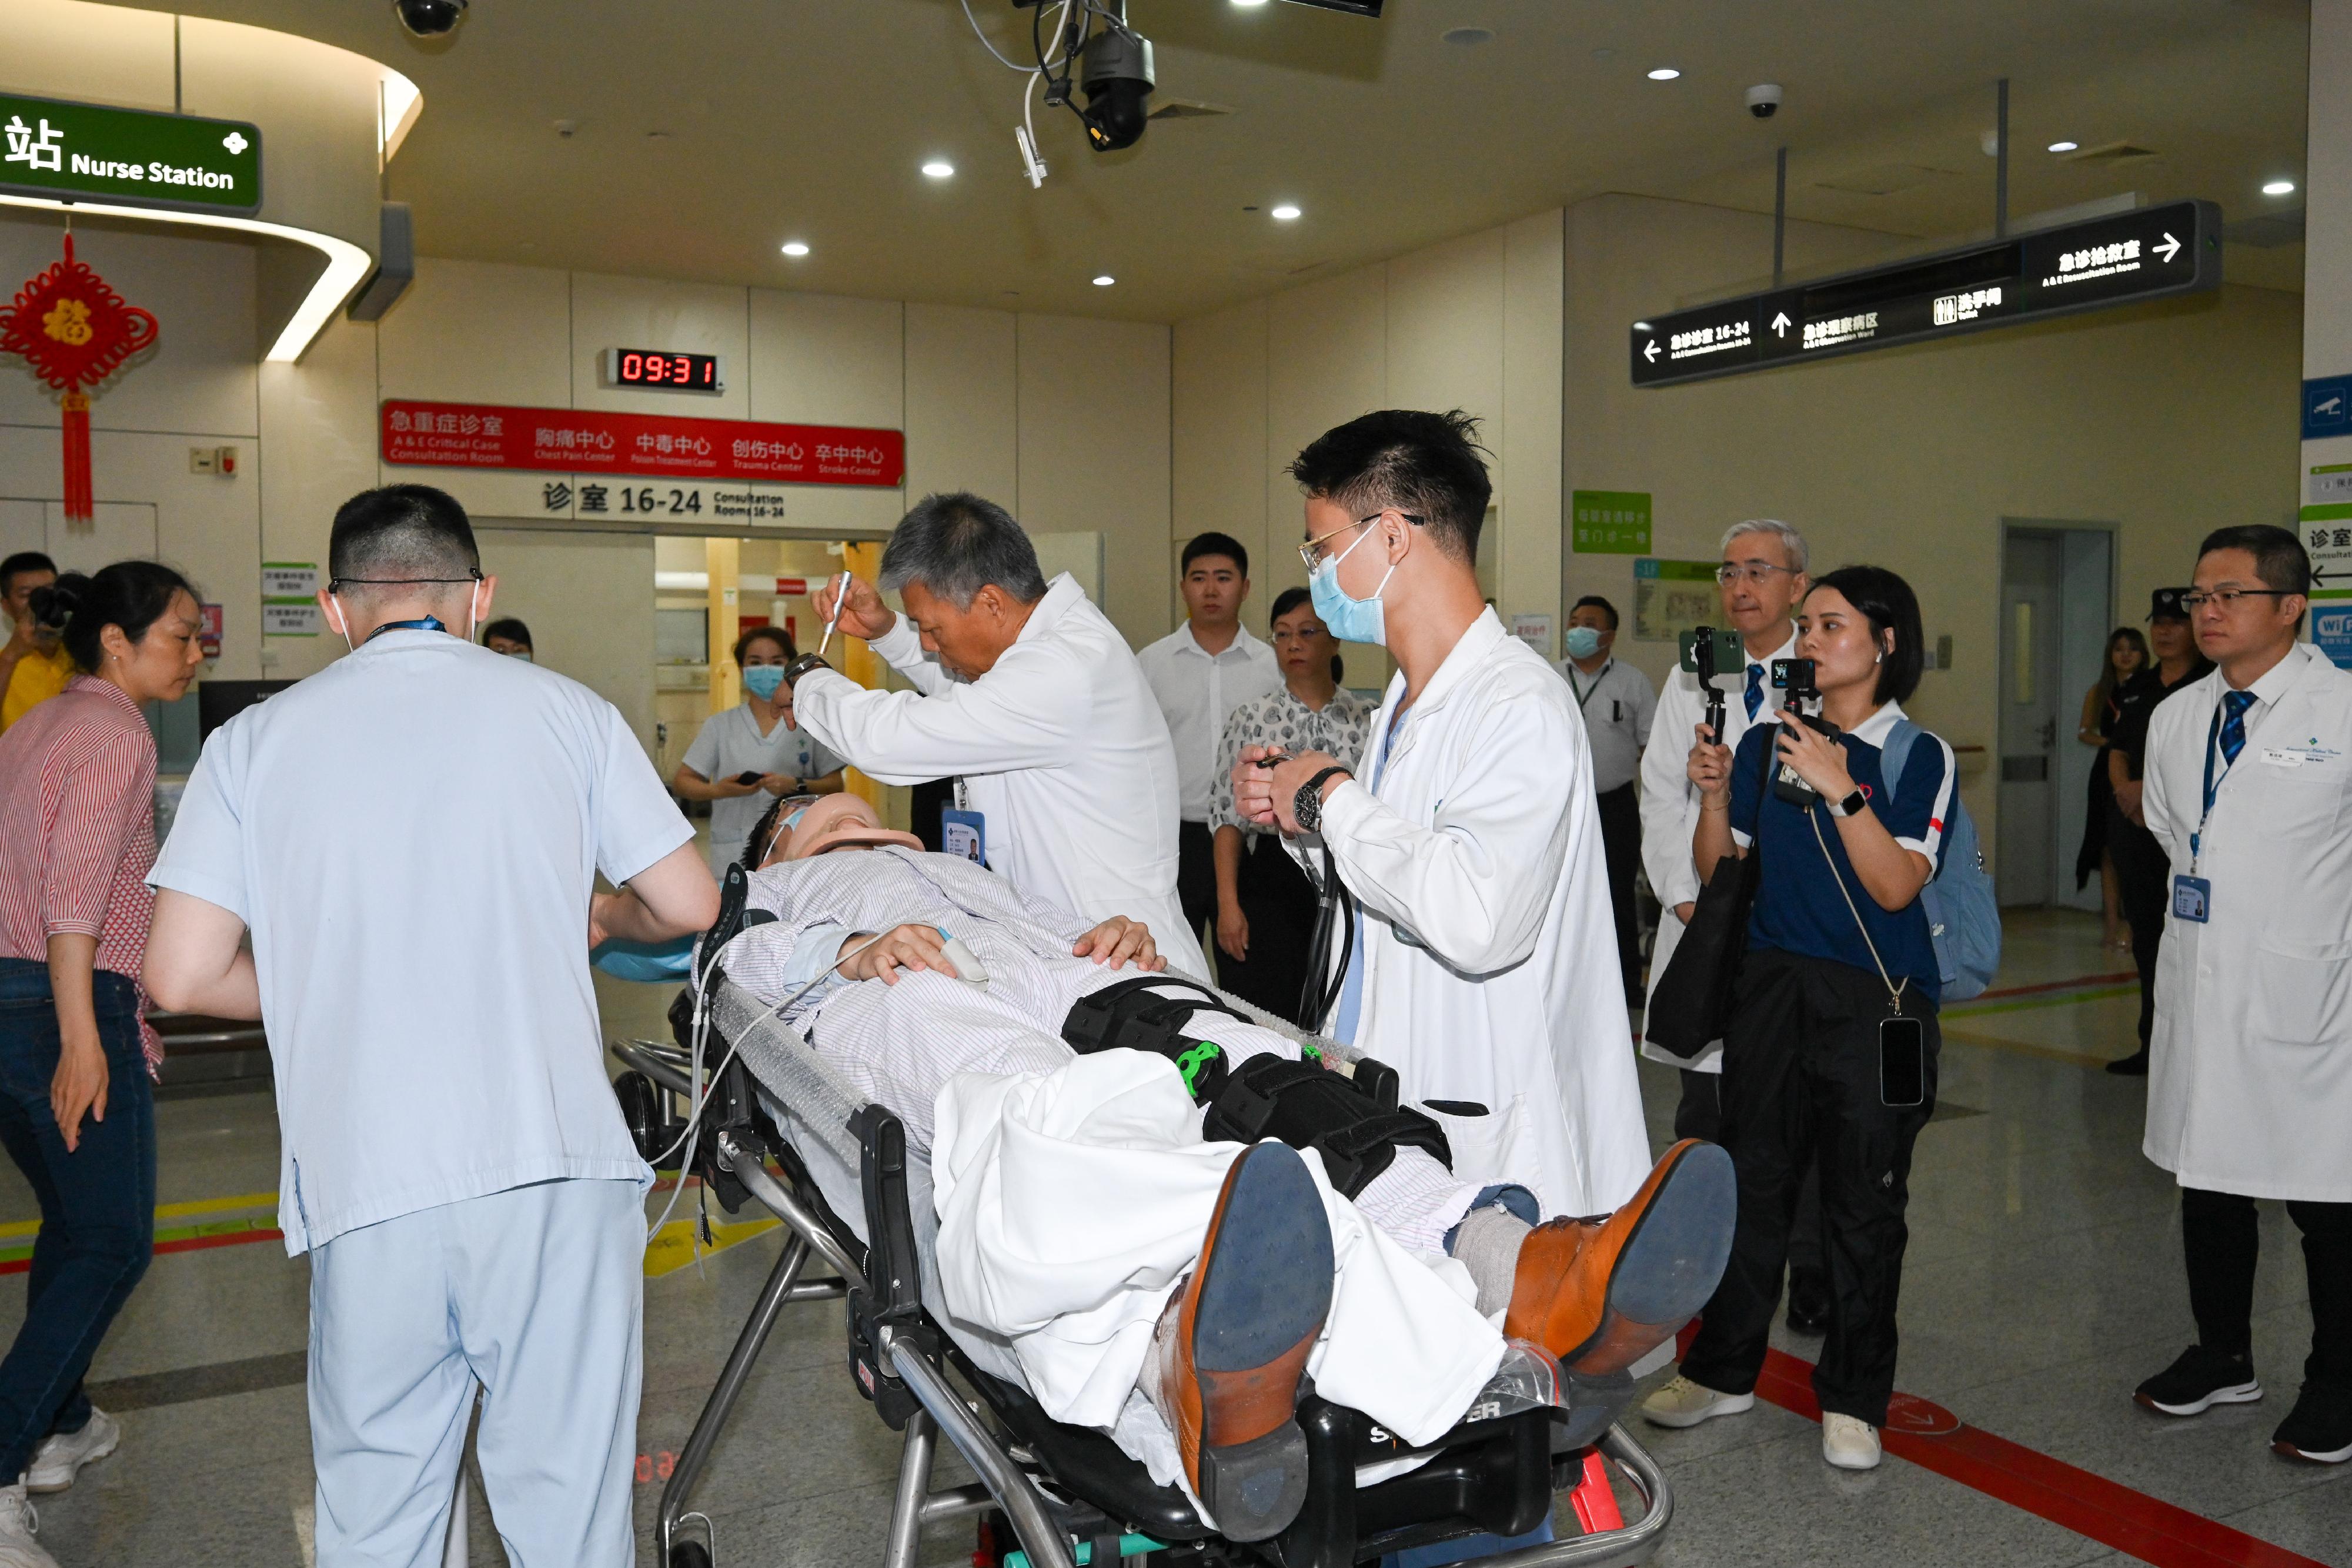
(1620, 846)
(1700, 1116)
(1279, 902)
(1800, 1086)
(1196, 875)
(2220, 1240)
(2144, 881)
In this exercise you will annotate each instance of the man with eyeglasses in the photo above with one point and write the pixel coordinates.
(1760, 583)
(1482, 961)
(2250, 1088)
(452, 1158)
(2142, 872)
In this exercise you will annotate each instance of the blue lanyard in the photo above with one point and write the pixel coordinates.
(2212, 785)
(429, 623)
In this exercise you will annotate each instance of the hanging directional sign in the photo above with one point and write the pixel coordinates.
(2118, 260)
(128, 157)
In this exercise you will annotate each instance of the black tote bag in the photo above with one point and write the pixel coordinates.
(1692, 1000)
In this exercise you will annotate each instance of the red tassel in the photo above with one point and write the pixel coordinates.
(79, 508)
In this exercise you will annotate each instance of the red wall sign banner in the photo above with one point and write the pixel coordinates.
(661, 446)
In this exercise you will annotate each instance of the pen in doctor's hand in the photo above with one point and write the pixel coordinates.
(841, 601)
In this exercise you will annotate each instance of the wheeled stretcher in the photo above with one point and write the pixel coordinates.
(779, 1126)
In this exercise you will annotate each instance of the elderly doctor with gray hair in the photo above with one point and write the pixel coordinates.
(1028, 696)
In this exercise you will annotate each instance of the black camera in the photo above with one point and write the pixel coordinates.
(1795, 677)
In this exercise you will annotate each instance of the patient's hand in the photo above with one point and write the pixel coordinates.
(900, 948)
(1119, 942)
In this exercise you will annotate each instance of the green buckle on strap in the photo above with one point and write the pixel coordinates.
(1191, 1063)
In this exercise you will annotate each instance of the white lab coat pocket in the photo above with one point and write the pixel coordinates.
(2302, 802)
(1492, 1148)
(2304, 993)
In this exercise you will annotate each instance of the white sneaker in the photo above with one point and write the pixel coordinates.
(61, 1454)
(1848, 1443)
(18, 1523)
(1682, 1402)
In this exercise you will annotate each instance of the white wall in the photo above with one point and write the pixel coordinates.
(1065, 422)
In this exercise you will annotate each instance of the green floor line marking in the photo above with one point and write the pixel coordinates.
(2064, 999)
(174, 1233)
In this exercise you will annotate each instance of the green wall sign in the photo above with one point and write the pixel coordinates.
(86, 152)
(1610, 522)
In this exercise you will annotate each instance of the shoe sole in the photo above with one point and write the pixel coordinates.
(1857, 1464)
(1264, 1292)
(1670, 1263)
(2237, 1394)
(1730, 1404)
(47, 1489)
(2330, 1457)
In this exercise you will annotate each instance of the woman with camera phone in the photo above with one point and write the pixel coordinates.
(1830, 1053)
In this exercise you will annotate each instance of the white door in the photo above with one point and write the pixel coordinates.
(2026, 862)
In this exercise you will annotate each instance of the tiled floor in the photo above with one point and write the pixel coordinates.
(2043, 1280)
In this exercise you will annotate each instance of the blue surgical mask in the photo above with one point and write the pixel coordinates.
(1348, 620)
(763, 680)
(1584, 641)
(522, 653)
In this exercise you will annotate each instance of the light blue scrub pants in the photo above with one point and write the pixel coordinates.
(538, 1294)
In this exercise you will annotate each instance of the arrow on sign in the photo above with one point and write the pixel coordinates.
(1781, 324)
(1650, 351)
(2319, 575)
(2169, 249)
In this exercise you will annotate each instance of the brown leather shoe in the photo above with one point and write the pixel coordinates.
(1601, 1293)
(1233, 1341)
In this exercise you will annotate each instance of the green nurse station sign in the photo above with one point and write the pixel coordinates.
(86, 152)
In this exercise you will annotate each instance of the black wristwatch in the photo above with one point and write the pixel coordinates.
(1307, 804)
(801, 667)
(1851, 806)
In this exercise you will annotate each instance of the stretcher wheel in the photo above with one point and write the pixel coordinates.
(641, 1109)
(689, 1554)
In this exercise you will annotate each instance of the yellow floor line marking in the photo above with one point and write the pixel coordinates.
(17, 1227)
(673, 1249)
(1969, 1037)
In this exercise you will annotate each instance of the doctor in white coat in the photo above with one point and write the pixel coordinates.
(1484, 961)
(2249, 788)
(1029, 696)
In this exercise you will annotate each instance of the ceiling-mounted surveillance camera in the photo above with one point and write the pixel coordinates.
(1117, 78)
(428, 18)
(1764, 99)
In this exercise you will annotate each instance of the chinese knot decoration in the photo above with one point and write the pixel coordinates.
(76, 330)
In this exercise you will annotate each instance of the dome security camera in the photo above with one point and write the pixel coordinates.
(1117, 78)
(1764, 99)
(429, 18)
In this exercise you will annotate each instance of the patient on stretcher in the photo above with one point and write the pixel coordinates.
(1170, 1214)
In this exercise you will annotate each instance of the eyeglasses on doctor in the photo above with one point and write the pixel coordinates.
(1311, 553)
(2227, 598)
(1755, 573)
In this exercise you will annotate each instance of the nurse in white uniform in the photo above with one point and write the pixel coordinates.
(744, 760)
(2249, 788)
(1483, 966)
(1027, 695)
(413, 836)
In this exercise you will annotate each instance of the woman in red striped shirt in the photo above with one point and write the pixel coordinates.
(76, 837)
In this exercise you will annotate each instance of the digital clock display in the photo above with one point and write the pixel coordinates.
(666, 371)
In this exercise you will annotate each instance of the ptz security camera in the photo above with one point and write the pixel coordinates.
(1764, 99)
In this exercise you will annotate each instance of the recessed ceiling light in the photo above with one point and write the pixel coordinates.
(1665, 73)
(1249, 4)
(1467, 37)
(2279, 188)
(1104, 280)
(796, 248)
(2063, 146)
(1284, 213)
(939, 169)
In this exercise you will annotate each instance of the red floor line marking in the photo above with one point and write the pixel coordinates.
(185, 1244)
(2106, 1512)
(2116, 979)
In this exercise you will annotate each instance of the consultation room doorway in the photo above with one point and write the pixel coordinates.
(2057, 606)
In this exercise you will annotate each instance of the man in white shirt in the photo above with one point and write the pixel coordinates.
(1762, 580)
(2250, 1068)
(1201, 672)
(1028, 696)
(1617, 702)
(453, 1158)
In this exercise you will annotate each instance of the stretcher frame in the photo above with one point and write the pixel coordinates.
(776, 1095)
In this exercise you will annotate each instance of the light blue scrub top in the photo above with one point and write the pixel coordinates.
(412, 836)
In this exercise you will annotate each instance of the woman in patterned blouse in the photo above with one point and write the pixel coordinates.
(1266, 904)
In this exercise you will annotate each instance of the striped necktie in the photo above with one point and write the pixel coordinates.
(2233, 722)
(1755, 691)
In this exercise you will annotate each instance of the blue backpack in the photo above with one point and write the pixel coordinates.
(1963, 917)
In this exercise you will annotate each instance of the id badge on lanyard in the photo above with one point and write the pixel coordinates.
(963, 830)
(2192, 896)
